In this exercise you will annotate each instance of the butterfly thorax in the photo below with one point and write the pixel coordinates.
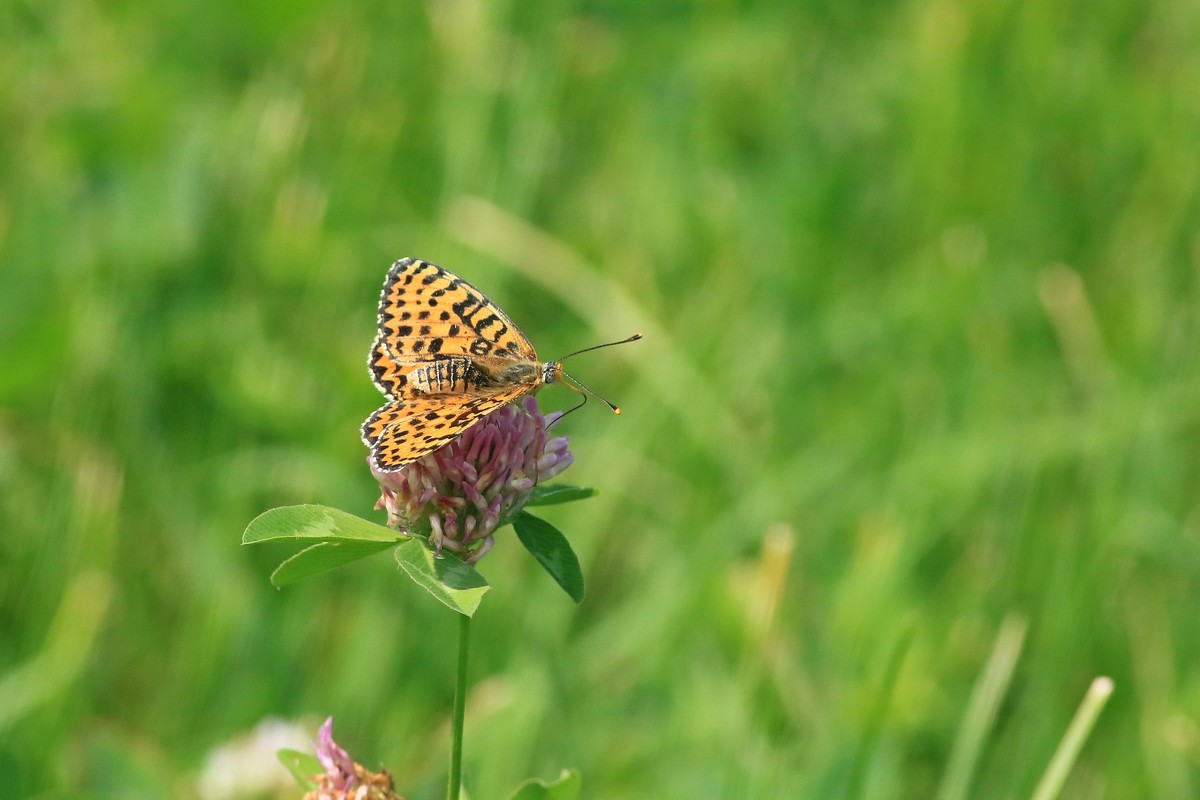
(497, 373)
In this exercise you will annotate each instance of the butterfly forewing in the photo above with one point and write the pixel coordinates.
(427, 313)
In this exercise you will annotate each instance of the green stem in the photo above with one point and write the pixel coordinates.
(1077, 733)
(460, 708)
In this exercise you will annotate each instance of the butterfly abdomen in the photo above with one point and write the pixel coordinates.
(443, 376)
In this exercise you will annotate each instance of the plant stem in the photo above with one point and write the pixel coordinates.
(1068, 749)
(460, 708)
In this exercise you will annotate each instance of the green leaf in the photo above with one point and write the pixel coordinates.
(553, 552)
(322, 557)
(315, 522)
(338, 538)
(446, 577)
(566, 787)
(558, 493)
(302, 766)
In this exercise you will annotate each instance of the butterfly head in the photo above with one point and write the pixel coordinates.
(552, 372)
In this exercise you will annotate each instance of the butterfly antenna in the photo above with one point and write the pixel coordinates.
(576, 385)
(633, 338)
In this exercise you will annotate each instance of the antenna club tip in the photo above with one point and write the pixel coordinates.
(635, 337)
(617, 410)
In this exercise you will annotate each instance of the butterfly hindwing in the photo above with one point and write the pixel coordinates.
(402, 431)
(390, 377)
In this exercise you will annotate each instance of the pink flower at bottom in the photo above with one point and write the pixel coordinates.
(343, 778)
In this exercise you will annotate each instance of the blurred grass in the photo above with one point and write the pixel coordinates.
(920, 284)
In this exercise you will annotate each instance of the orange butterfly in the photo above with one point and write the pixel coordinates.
(445, 358)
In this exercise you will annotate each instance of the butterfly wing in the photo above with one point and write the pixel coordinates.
(404, 430)
(389, 376)
(427, 313)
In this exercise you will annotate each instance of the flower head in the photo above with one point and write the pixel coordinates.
(343, 778)
(461, 493)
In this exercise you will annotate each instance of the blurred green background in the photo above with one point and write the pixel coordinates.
(919, 393)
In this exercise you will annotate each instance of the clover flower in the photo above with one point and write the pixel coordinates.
(343, 778)
(463, 492)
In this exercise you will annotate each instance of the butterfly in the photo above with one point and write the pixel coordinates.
(445, 357)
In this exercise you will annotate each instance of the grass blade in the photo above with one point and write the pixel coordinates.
(1068, 749)
(981, 713)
